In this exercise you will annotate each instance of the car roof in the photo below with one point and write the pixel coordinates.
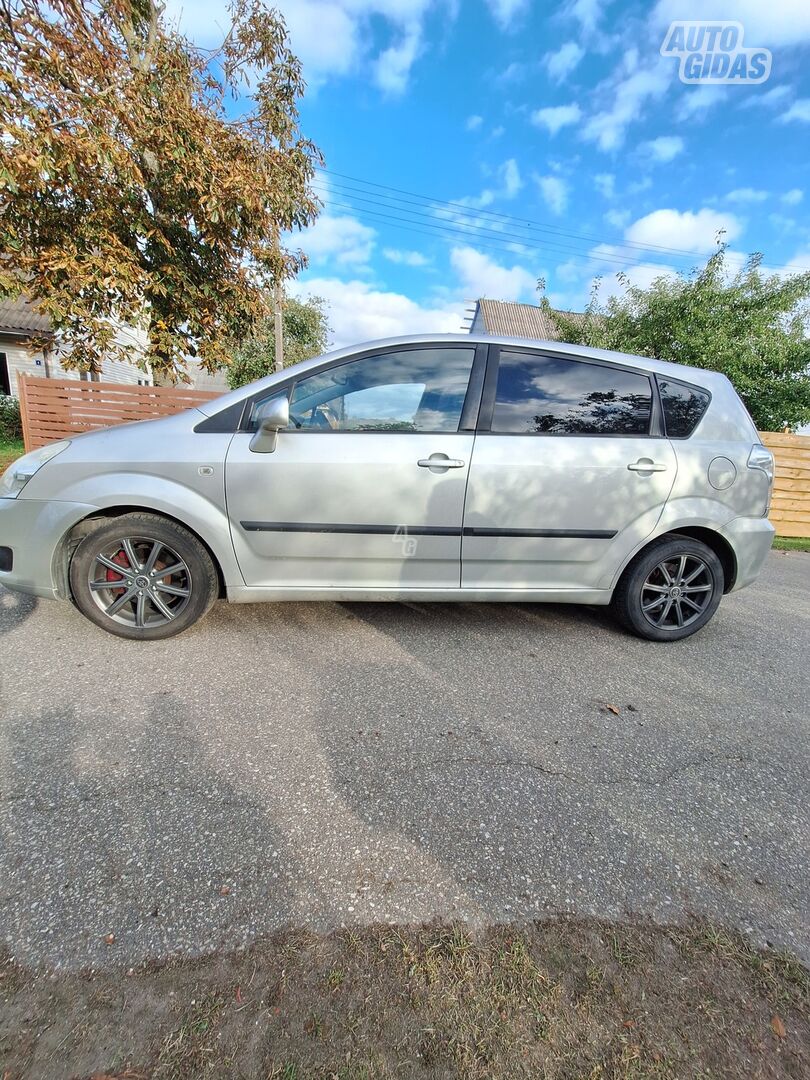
(709, 379)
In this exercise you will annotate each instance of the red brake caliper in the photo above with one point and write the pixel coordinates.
(121, 559)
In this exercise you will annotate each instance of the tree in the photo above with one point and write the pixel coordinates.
(305, 329)
(130, 194)
(748, 325)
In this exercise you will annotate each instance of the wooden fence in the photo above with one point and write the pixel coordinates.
(790, 506)
(58, 408)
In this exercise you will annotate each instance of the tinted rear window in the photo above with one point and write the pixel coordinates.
(550, 395)
(683, 407)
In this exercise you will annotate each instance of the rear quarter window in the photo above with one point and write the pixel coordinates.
(683, 407)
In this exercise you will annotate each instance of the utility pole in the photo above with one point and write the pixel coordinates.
(279, 327)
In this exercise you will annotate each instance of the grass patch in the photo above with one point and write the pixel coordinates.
(792, 543)
(562, 1000)
(10, 450)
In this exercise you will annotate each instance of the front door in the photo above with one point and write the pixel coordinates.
(365, 489)
(568, 474)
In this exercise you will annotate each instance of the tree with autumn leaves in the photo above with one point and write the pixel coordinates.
(146, 182)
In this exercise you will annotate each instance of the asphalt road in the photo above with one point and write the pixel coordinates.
(315, 764)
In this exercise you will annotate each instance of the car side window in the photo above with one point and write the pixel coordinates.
(550, 395)
(683, 407)
(408, 390)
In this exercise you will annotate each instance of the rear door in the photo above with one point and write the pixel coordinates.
(366, 488)
(570, 472)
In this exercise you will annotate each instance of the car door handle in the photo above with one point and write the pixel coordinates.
(440, 461)
(646, 465)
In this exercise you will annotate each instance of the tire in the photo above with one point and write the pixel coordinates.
(649, 605)
(116, 580)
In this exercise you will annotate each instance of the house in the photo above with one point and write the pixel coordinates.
(21, 324)
(514, 320)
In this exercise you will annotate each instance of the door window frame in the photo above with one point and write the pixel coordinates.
(487, 409)
(470, 409)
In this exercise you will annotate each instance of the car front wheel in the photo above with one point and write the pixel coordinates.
(142, 576)
(670, 590)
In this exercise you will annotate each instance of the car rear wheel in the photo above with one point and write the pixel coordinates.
(142, 576)
(670, 590)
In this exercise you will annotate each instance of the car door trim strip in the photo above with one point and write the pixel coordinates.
(378, 530)
(424, 530)
(567, 534)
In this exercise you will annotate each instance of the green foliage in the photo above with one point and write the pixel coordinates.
(749, 325)
(10, 421)
(305, 334)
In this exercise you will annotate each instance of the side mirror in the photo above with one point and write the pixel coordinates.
(271, 417)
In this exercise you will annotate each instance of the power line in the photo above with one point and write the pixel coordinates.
(525, 223)
(460, 228)
(404, 196)
(449, 232)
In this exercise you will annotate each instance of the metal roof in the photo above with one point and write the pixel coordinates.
(517, 320)
(19, 316)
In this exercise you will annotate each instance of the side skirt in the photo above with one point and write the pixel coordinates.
(257, 594)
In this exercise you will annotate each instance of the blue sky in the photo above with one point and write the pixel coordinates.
(474, 146)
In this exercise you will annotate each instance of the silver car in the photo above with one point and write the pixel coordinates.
(422, 468)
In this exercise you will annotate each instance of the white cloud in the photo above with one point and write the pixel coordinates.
(782, 223)
(664, 148)
(506, 12)
(696, 101)
(636, 188)
(473, 123)
(511, 182)
(605, 184)
(690, 231)
(799, 110)
(513, 72)
(793, 197)
(627, 91)
(405, 258)
(798, 264)
(561, 63)
(555, 117)
(482, 276)
(786, 22)
(617, 218)
(768, 98)
(554, 191)
(746, 195)
(359, 312)
(587, 12)
(337, 238)
(393, 66)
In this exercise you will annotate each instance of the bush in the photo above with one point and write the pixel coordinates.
(10, 420)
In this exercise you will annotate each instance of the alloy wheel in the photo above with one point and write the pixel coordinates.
(140, 582)
(677, 592)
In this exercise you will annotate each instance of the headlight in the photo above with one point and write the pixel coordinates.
(20, 472)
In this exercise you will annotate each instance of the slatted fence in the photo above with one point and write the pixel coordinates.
(790, 506)
(58, 408)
